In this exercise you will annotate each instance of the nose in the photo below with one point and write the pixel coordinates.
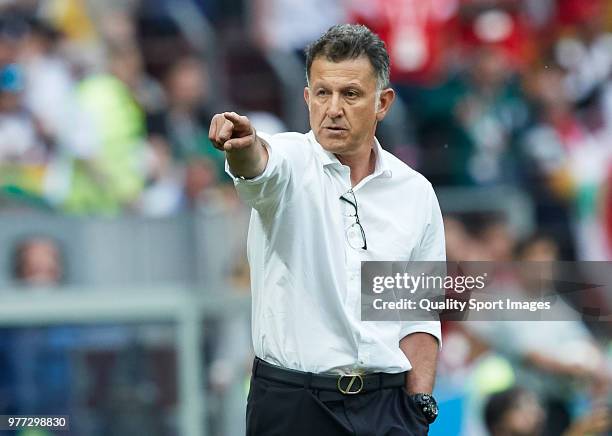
(334, 110)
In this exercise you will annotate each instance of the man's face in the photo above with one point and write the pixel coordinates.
(342, 104)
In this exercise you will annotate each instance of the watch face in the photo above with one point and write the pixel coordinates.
(428, 406)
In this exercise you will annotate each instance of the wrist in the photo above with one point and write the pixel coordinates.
(413, 390)
(418, 385)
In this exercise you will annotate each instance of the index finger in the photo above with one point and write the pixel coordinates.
(239, 121)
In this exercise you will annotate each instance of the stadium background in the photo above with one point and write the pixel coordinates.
(123, 278)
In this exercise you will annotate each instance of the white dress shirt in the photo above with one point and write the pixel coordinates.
(305, 276)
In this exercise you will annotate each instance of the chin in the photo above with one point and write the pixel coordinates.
(333, 145)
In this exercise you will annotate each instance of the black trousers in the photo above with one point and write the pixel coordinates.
(278, 409)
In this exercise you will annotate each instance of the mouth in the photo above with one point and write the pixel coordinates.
(335, 129)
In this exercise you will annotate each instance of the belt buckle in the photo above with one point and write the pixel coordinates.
(346, 383)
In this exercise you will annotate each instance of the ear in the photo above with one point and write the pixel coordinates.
(385, 100)
(307, 96)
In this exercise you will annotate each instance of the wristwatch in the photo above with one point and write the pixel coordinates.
(428, 406)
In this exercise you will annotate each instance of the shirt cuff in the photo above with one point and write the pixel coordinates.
(431, 327)
(270, 165)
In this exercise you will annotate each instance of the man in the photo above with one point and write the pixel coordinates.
(322, 203)
(518, 412)
(514, 411)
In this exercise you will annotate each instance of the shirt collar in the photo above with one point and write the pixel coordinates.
(381, 166)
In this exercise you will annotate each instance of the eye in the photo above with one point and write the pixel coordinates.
(321, 92)
(351, 93)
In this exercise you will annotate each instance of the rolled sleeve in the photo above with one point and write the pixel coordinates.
(431, 327)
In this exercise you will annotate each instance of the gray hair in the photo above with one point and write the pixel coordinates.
(350, 41)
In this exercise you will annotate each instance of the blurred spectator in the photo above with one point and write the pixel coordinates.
(126, 64)
(119, 30)
(488, 237)
(468, 127)
(518, 412)
(490, 113)
(514, 411)
(183, 162)
(37, 358)
(47, 369)
(184, 121)
(38, 261)
(113, 176)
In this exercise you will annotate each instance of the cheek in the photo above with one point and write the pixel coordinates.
(365, 117)
(316, 111)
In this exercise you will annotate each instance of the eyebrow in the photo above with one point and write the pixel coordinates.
(324, 84)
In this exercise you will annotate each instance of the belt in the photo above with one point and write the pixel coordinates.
(347, 384)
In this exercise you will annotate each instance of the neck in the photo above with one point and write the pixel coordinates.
(362, 164)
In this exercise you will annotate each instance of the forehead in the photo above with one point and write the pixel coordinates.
(358, 70)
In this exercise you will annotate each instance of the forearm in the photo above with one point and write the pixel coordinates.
(422, 351)
(548, 364)
(248, 162)
(560, 368)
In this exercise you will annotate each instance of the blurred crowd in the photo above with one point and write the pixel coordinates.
(509, 376)
(105, 109)
(88, 124)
